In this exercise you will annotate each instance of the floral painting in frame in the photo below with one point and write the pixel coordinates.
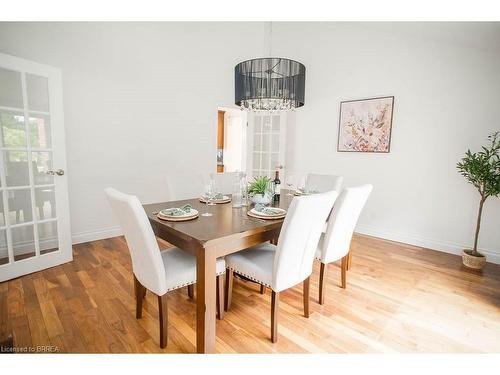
(365, 125)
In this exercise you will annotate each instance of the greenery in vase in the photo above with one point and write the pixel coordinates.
(260, 185)
(482, 169)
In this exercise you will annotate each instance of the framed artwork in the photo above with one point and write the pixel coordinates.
(365, 125)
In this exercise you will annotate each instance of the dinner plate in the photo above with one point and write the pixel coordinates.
(254, 213)
(187, 216)
(225, 199)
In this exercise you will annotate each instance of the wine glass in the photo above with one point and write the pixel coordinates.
(211, 192)
(208, 195)
(290, 181)
(301, 183)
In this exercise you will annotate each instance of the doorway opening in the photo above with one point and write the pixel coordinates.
(231, 139)
(252, 142)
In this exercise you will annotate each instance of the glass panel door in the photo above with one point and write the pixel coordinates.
(34, 215)
(266, 144)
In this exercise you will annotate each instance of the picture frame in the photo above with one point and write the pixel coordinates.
(365, 125)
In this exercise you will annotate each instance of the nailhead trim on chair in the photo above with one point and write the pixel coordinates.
(191, 283)
(250, 277)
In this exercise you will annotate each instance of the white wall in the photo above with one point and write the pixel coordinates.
(447, 99)
(136, 97)
(136, 94)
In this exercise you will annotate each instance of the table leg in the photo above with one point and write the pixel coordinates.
(205, 301)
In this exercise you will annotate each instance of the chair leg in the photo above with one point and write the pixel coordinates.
(163, 317)
(305, 293)
(229, 289)
(349, 259)
(343, 271)
(220, 297)
(191, 291)
(274, 316)
(322, 282)
(262, 289)
(144, 295)
(140, 292)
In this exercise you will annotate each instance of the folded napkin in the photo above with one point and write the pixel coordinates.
(217, 197)
(177, 211)
(259, 207)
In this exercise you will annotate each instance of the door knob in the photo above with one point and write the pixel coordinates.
(59, 172)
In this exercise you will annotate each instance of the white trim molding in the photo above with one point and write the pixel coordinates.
(443, 246)
(94, 235)
(411, 239)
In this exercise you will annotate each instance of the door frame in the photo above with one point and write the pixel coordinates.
(65, 252)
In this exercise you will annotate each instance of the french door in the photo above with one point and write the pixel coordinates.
(34, 212)
(266, 135)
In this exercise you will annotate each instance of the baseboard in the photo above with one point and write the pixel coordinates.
(94, 235)
(81, 237)
(444, 246)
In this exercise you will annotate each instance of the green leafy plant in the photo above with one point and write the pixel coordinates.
(482, 169)
(260, 185)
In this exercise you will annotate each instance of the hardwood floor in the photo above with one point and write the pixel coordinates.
(399, 298)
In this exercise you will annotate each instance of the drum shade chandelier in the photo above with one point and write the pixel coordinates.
(270, 84)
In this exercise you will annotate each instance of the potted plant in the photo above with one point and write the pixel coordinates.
(481, 169)
(260, 190)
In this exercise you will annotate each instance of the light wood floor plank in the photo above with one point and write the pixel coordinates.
(399, 298)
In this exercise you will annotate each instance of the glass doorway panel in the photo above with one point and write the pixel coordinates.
(28, 210)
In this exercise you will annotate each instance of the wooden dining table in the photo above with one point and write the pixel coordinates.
(227, 231)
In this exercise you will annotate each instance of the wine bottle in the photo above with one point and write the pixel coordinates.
(277, 186)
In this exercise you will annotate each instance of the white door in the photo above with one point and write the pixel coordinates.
(34, 212)
(235, 151)
(266, 144)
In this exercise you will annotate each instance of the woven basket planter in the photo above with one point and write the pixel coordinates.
(471, 261)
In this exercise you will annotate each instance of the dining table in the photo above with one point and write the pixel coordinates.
(226, 231)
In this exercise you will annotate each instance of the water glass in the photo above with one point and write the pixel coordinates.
(237, 199)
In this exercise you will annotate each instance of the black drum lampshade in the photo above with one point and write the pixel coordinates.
(270, 84)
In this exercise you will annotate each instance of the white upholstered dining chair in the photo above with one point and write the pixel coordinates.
(323, 182)
(289, 262)
(186, 186)
(335, 243)
(224, 182)
(155, 270)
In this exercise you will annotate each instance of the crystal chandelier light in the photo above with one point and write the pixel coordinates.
(270, 84)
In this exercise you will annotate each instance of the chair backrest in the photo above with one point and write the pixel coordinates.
(299, 238)
(323, 182)
(342, 222)
(147, 263)
(187, 186)
(224, 182)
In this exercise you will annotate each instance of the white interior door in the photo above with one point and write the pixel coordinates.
(266, 144)
(235, 149)
(34, 212)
